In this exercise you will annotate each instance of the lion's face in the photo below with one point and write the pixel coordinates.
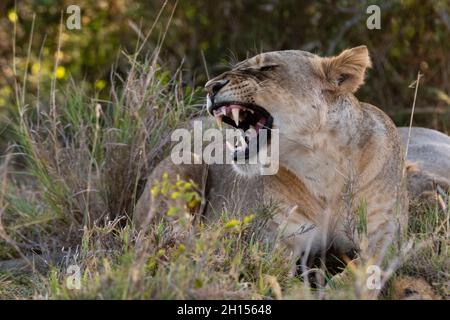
(285, 90)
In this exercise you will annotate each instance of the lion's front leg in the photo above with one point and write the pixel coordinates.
(374, 232)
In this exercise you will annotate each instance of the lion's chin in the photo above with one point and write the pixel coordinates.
(259, 164)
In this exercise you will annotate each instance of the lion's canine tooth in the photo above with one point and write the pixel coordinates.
(243, 142)
(235, 113)
(218, 120)
(208, 101)
(229, 146)
(251, 132)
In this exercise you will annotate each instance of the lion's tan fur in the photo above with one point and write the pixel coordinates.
(409, 288)
(350, 64)
(337, 155)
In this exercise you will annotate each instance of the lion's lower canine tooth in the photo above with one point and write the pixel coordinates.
(235, 113)
(208, 102)
(243, 142)
(229, 146)
(218, 120)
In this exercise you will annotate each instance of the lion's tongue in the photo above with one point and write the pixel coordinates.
(260, 124)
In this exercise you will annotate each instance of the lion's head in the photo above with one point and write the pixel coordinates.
(292, 91)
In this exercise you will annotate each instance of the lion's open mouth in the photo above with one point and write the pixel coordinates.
(249, 118)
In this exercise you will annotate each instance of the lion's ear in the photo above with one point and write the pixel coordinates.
(345, 72)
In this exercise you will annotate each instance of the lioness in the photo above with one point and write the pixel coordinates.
(338, 156)
(429, 164)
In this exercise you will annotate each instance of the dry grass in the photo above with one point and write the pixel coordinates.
(70, 183)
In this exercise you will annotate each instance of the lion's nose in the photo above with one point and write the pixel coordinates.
(213, 86)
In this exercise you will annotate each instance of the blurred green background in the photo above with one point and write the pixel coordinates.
(210, 35)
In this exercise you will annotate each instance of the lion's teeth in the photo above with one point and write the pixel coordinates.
(243, 142)
(229, 146)
(251, 132)
(218, 120)
(235, 113)
(208, 102)
(223, 111)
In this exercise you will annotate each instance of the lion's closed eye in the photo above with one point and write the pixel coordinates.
(268, 67)
(263, 68)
